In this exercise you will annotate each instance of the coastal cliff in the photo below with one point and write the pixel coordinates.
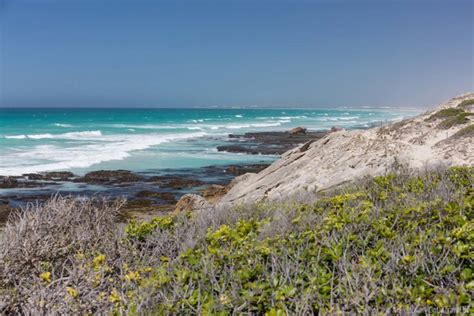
(442, 136)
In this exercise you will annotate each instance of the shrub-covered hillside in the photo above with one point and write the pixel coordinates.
(401, 242)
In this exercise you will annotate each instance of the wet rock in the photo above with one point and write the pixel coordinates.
(54, 176)
(33, 176)
(21, 183)
(110, 177)
(175, 182)
(243, 169)
(137, 203)
(336, 129)
(297, 131)
(32, 198)
(58, 175)
(8, 183)
(253, 149)
(165, 196)
(191, 202)
(268, 143)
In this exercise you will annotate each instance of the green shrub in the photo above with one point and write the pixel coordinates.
(139, 231)
(445, 113)
(450, 117)
(449, 122)
(467, 131)
(466, 103)
(400, 243)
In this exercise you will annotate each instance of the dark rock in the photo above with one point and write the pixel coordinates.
(268, 143)
(33, 198)
(175, 182)
(54, 175)
(297, 131)
(253, 149)
(165, 196)
(8, 183)
(33, 176)
(137, 203)
(110, 177)
(58, 175)
(239, 170)
(336, 129)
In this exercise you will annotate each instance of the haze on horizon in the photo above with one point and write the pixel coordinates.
(144, 53)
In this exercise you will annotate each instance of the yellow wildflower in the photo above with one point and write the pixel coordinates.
(72, 292)
(114, 296)
(98, 260)
(45, 277)
(132, 276)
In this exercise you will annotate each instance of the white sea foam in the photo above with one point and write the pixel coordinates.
(71, 135)
(105, 148)
(62, 125)
(348, 118)
(145, 126)
(281, 117)
(40, 136)
(238, 115)
(249, 125)
(15, 136)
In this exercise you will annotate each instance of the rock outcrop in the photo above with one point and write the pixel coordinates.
(269, 143)
(191, 202)
(297, 131)
(110, 176)
(442, 136)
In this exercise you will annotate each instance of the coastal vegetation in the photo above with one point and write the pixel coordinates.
(466, 103)
(450, 117)
(402, 242)
(467, 131)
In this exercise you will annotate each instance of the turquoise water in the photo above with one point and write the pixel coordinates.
(80, 140)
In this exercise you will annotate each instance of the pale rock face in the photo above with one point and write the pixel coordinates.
(345, 156)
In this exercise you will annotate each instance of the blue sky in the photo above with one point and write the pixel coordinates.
(226, 53)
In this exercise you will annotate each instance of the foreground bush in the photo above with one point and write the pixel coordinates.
(396, 243)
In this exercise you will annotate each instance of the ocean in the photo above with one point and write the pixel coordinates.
(80, 140)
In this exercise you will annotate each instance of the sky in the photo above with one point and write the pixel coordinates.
(178, 53)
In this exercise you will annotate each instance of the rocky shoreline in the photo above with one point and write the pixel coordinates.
(271, 143)
(151, 193)
(146, 193)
